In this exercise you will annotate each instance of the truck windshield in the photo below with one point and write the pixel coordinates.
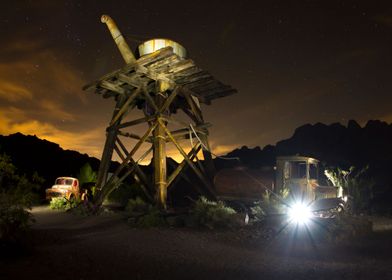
(298, 170)
(313, 171)
(61, 181)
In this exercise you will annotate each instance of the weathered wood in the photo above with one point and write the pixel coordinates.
(108, 150)
(111, 86)
(133, 80)
(133, 136)
(133, 151)
(136, 122)
(126, 105)
(192, 154)
(190, 163)
(151, 101)
(169, 100)
(139, 172)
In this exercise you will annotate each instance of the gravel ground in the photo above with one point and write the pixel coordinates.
(71, 247)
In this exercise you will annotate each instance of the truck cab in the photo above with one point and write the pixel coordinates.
(300, 175)
(67, 187)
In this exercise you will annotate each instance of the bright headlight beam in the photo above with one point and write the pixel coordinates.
(299, 213)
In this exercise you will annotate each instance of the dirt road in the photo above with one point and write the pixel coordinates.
(72, 247)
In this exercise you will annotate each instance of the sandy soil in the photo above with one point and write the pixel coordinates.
(71, 247)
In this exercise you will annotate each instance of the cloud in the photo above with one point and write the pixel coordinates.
(13, 92)
(89, 141)
(54, 110)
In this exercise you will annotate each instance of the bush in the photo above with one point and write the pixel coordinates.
(142, 214)
(15, 220)
(58, 203)
(213, 214)
(16, 197)
(124, 193)
(356, 184)
(62, 203)
(269, 205)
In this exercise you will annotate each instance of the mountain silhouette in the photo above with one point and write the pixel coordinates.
(335, 145)
(31, 154)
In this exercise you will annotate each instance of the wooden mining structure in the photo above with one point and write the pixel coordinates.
(160, 82)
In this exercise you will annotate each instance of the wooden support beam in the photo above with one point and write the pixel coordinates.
(139, 173)
(151, 101)
(131, 80)
(192, 154)
(132, 152)
(190, 163)
(169, 100)
(126, 105)
(112, 86)
(108, 152)
(136, 122)
(194, 108)
(133, 136)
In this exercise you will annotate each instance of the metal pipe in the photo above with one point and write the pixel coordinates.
(118, 39)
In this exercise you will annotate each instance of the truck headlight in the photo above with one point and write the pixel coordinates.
(299, 213)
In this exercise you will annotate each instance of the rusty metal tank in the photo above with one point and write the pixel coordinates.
(243, 184)
(153, 45)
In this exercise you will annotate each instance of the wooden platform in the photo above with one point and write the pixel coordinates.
(166, 66)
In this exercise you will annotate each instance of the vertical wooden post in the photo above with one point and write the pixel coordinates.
(159, 150)
(107, 154)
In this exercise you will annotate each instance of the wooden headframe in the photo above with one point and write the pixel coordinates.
(163, 83)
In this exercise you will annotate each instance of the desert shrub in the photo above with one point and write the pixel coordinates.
(124, 193)
(58, 203)
(143, 214)
(62, 203)
(269, 205)
(17, 195)
(213, 214)
(136, 205)
(15, 220)
(258, 212)
(356, 184)
(152, 218)
(86, 208)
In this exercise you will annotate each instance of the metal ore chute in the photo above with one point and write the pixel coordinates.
(160, 82)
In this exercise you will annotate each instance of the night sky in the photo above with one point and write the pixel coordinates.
(293, 62)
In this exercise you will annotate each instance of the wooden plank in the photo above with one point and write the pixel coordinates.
(180, 66)
(133, 80)
(204, 83)
(149, 59)
(163, 64)
(111, 86)
(186, 72)
(136, 122)
(133, 136)
(200, 76)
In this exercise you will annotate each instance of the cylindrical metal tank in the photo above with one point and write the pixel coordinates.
(243, 184)
(153, 45)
